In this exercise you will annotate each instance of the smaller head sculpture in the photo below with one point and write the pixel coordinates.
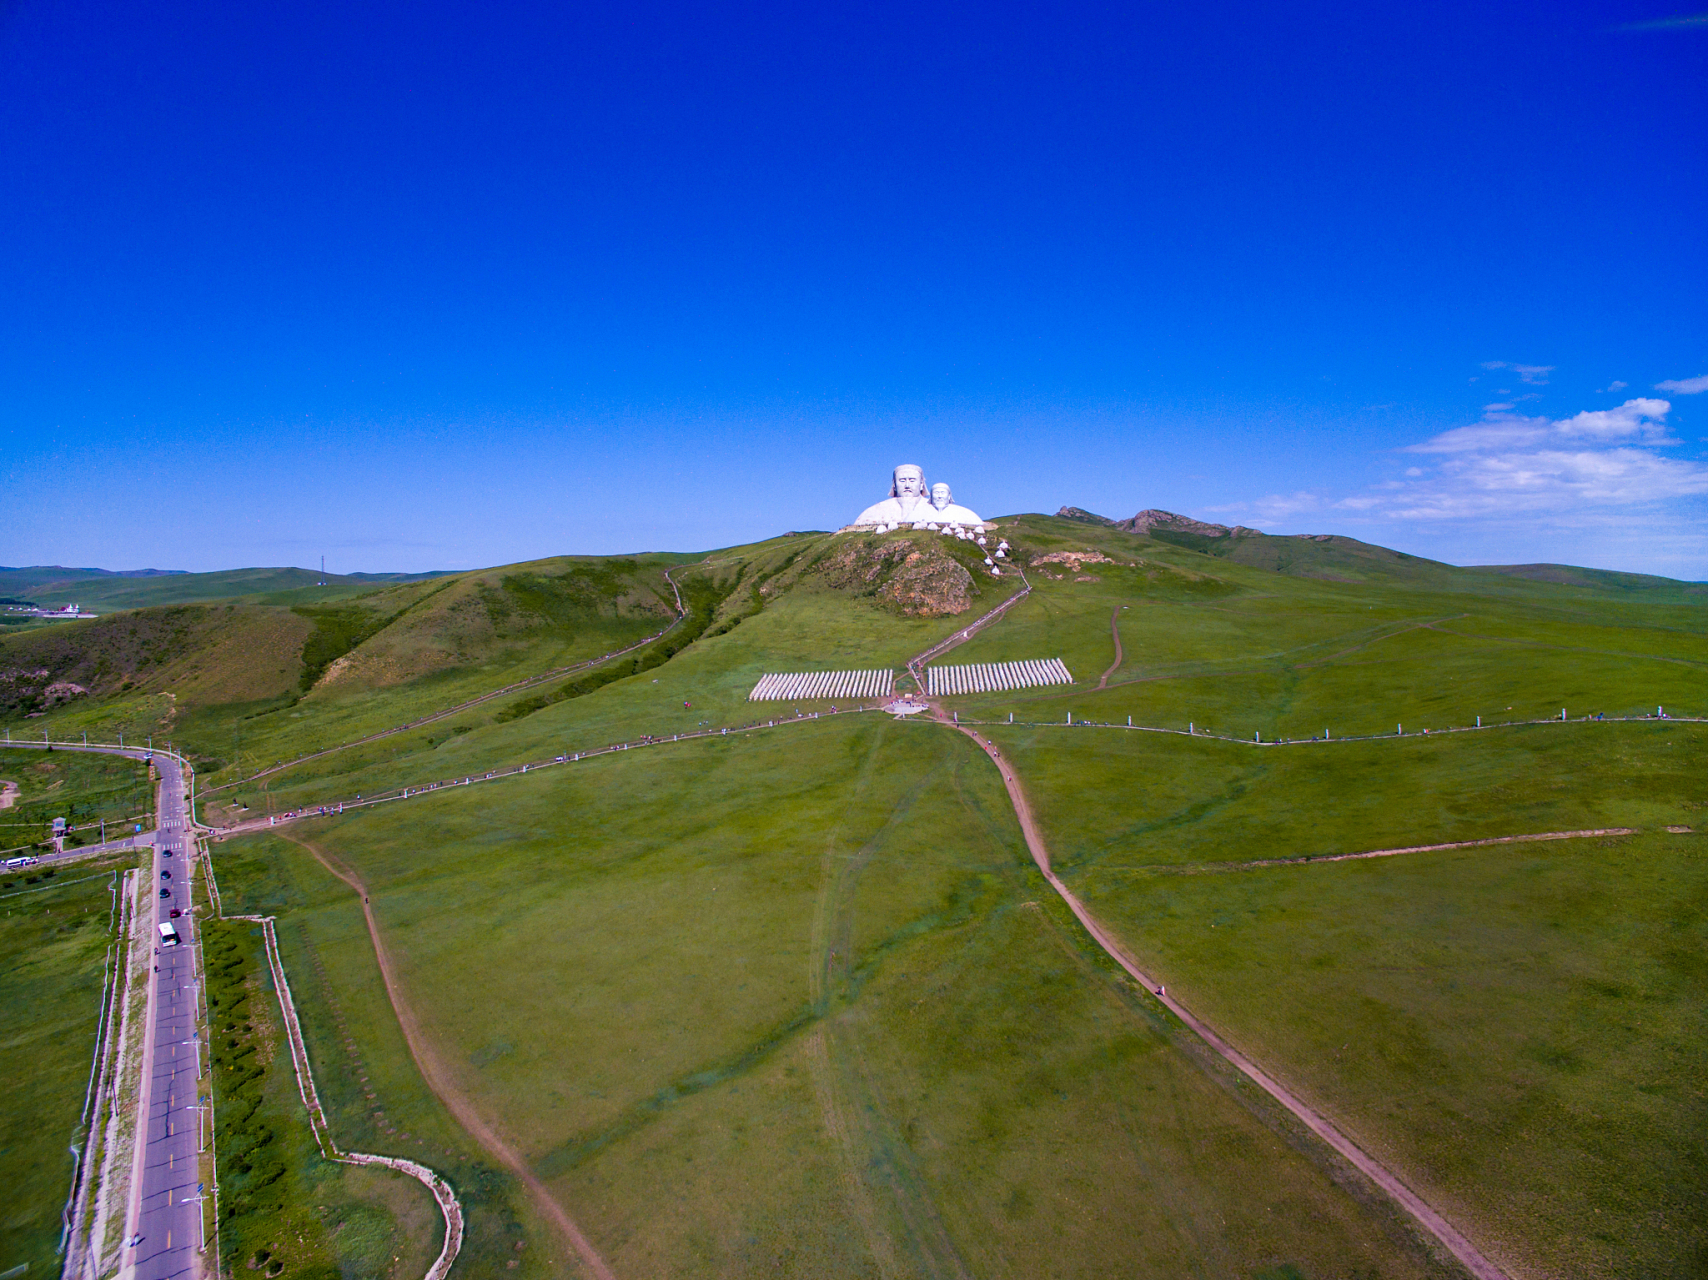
(909, 481)
(940, 496)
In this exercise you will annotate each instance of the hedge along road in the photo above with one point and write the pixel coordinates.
(439, 1077)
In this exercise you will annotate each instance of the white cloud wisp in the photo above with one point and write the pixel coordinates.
(1508, 465)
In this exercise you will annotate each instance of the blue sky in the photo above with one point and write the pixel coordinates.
(421, 286)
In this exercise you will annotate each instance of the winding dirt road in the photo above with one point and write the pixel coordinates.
(443, 1085)
(1410, 1201)
(1115, 631)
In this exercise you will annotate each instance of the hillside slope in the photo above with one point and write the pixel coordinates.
(101, 590)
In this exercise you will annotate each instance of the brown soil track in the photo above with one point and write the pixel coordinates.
(1426, 1217)
(1115, 631)
(440, 1080)
(1309, 859)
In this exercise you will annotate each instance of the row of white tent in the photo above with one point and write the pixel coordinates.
(977, 677)
(823, 684)
(986, 677)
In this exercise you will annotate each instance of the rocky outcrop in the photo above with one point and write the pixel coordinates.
(907, 578)
(1082, 515)
(1073, 559)
(1169, 522)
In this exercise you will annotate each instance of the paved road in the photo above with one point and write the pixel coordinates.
(167, 1213)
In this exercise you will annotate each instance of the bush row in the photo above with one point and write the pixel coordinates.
(250, 1164)
(701, 599)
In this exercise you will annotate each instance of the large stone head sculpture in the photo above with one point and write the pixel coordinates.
(909, 481)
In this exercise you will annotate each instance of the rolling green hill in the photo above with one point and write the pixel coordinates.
(804, 987)
(99, 590)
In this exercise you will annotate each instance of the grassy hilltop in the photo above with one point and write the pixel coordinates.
(797, 1000)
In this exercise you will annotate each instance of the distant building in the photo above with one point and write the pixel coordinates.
(63, 612)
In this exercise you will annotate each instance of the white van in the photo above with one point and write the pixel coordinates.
(169, 935)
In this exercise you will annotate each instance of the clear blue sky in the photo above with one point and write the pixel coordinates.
(422, 286)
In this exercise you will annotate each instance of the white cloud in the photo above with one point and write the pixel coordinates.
(1509, 465)
(1684, 22)
(1547, 480)
(1683, 386)
(1275, 508)
(1535, 374)
(1613, 386)
(1641, 419)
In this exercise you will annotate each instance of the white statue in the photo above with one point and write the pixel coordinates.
(907, 502)
(912, 502)
(945, 510)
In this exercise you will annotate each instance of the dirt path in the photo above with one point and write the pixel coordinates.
(1310, 859)
(441, 1082)
(1114, 630)
(8, 794)
(1410, 1201)
(916, 666)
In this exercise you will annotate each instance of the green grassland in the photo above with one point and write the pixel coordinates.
(797, 1001)
(245, 684)
(98, 591)
(1518, 1031)
(83, 789)
(282, 1206)
(372, 1092)
(54, 934)
(825, 1019)
(1116, 801)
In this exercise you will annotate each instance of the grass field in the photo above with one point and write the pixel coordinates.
(281, 1204)
(54, 935)
(1116, 801)
(841, 1031)
(376, 1100)
(82, 789)
(1509, 1026)
(798, 1002)
(1520, 1031)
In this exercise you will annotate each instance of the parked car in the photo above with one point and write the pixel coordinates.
(166, 893)
(174, 913)
(165, 875)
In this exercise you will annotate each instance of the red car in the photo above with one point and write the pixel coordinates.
(175, 913)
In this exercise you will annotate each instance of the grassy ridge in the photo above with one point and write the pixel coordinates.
(103, 592)
(53, 943)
